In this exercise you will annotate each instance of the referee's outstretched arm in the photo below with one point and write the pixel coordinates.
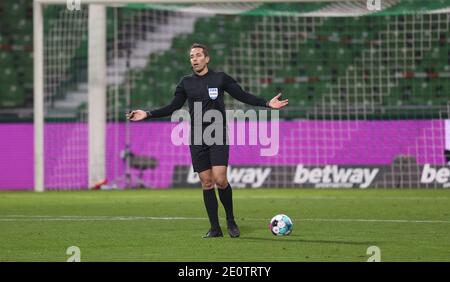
(177, 103)
(236, 91)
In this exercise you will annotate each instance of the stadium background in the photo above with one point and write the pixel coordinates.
(369, 109)
(368, 90)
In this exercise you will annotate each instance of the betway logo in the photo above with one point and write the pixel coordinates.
(239, 177)
(331, 176)
(430, 175)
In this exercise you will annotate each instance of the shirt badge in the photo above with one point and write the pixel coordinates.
(213, 93)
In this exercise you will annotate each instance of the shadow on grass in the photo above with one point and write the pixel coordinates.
(298, 239)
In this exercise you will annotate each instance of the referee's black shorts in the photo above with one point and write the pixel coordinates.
(205, 156)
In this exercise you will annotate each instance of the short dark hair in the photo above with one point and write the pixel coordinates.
(199, 45)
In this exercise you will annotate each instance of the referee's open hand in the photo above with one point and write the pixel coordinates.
(137, 115)
(276, 103)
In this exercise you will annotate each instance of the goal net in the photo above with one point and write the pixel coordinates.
(368, 91)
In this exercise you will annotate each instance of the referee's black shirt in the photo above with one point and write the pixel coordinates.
(209, 90)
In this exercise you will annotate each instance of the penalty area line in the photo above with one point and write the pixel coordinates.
(137, 218)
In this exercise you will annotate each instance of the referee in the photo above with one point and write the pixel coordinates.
(209, 161)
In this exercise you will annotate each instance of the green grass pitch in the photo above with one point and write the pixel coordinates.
(157, 225)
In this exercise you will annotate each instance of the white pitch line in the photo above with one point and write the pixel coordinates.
(137, 218)
(347, 198)
(289, 197)
(376, 220)
(90, 218)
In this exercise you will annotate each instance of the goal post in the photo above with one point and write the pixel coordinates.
(38, 43)
(96, 92)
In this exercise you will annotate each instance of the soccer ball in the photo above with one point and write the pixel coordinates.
(281, 225)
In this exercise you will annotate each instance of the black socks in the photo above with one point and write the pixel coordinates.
(209, 196)
(226, 197)
(211, 204)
